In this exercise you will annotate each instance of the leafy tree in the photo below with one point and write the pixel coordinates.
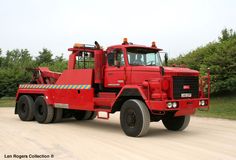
(226, 34)
(45, 56)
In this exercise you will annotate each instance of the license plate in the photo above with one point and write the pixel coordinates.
(186, 95)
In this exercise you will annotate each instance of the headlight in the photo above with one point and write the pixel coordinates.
(169, 105)
(203, 103)
(174, 104)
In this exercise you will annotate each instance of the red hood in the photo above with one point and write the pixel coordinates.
(176, 71)
(172, 71)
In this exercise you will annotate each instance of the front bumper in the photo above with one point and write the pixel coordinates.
(184, 106)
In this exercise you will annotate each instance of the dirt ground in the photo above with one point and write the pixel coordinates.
(204, 139)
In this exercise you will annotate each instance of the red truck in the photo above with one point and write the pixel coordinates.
(128, 78)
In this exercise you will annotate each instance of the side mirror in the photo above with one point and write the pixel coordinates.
(166, 59)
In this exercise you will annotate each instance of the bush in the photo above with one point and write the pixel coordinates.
(220, 57)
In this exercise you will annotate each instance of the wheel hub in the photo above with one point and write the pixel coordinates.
(23, 108)
(131, 119)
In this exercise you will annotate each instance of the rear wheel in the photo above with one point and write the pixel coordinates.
(25, 108)
(134, 118)
(93, 116)
(58, 114)
(176, 123)
(83, 115)
(43, 112)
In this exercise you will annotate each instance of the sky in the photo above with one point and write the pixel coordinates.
(177, 26)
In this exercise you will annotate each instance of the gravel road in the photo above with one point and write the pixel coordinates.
(204, 139)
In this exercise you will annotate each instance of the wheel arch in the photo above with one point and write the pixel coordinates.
(126, 93)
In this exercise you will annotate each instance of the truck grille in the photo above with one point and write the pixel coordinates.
(185, 87)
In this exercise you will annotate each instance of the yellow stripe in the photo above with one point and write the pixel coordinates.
(53, 86)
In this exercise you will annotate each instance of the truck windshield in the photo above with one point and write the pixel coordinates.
(143, 57)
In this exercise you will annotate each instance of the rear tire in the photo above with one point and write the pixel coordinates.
(93, 116)
(58, 114)
(134, 118)
(43, 112)
(25, 108)
(176, 123)
(82, 115)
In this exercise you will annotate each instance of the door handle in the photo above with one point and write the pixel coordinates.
(110, 74)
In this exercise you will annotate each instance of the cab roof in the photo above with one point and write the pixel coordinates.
(134, 46)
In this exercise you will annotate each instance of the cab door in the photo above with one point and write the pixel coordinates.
(115, 69)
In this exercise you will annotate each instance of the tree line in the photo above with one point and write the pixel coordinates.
(15, 62)
(220, 57)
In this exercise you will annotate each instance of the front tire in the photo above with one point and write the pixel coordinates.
(134, 118)
(176, 123)
(43, 112)
(25, 108)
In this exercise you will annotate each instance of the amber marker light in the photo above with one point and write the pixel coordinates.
(154, 44)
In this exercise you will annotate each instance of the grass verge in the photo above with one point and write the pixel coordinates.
(7, 102)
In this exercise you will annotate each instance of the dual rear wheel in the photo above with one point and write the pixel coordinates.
(27, 110)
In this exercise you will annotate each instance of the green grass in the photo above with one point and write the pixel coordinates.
(221, 107)
(7, 102)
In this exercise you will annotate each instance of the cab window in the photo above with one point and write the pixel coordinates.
(116, 57)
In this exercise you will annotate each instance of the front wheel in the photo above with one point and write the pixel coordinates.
(134, 118)
(176, 123)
